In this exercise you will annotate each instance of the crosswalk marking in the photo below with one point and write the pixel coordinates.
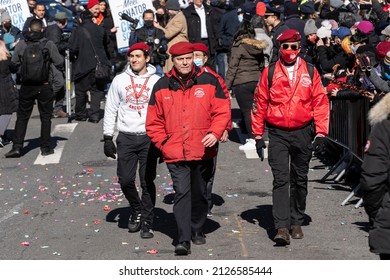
(61, 131)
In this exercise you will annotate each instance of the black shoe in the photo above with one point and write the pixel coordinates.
(80, 119)
(146, 231)
(198, 238)
(135, 221)
(4, 141)
(93, 121)
(14, 153)
(47, 152)
(183, 248)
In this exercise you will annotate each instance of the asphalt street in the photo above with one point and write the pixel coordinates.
(69, 207)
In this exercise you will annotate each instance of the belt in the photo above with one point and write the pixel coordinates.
(135, 133)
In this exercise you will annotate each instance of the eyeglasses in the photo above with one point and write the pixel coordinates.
(293, 47)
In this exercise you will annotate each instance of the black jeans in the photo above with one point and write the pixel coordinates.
(96, 88)
(189, 182)
(27, 96)
(289, 154)
(136, 150)
(244, 95)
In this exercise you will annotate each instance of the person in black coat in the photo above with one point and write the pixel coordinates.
(84, 41)
(39, 13)
(375, 181)
(194, 22)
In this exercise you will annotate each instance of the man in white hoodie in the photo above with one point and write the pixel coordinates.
(126, 107)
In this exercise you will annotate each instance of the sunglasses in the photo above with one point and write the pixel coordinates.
(293, 47)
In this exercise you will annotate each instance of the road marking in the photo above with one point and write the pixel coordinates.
(11, 213)
(62, 131)
(244, 250)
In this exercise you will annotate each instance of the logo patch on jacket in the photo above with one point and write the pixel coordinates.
(305, 80)
(199, 92)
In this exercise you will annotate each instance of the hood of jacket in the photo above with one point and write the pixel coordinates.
(380, 111)
(33, 36)
(253, 46)
(149, 68)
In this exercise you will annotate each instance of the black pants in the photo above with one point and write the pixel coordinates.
(289, 155)
(384, 256)
(244, 95)
(136, 150)
(96, 88)
(189, 182)
(27, 96)
(210, 183)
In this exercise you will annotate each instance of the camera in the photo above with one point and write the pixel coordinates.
(157, 52)
(134, 22)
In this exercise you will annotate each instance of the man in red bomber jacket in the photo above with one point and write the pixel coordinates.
(187, 115)
(290, 106)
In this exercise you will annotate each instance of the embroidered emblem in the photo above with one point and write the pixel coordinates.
(199, 92)
(305, 80)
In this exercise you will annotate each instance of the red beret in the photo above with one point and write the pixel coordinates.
(201, 47)
(290, 35)
(382, 49)
(92, 3)
(181, 48)
(139, 46)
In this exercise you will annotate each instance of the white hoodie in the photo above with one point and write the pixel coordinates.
(122, 101)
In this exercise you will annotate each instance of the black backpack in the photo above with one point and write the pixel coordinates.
(35, 63)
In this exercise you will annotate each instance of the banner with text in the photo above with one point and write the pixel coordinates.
(17, 9)
(134, 10)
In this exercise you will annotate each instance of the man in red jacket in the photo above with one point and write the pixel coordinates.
(187, 115)
(294, 107)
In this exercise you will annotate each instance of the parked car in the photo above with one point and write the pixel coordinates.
(52, 7)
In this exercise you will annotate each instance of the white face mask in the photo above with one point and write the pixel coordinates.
(198, 61)
(240, 18)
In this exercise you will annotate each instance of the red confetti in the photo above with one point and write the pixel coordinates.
(152, 252)
(25, 243)
(96, 222)
(26, 212)
(89, 170)
(106, 208)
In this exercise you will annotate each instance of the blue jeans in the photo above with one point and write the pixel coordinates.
(221, 66)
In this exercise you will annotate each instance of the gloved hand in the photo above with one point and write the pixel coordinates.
(260, 146)
(319, 145)
(109, 147)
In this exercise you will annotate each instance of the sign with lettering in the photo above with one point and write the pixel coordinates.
(17, 9)
(133, 10)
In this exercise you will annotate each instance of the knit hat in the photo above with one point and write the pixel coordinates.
(334, 24)
(341, 32)
(172, 5)
(336, 3)
(382, 49)
(261, 8)
(307, 8)
(310, 27)
(249, 9)
(365, 26)
(5, 16)
(92, 3)
(291, 8)
(139, 46)
(181, 48)
(201, 47)
(325, 29)
(289, 35)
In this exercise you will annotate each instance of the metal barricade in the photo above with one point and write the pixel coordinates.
(69, 86)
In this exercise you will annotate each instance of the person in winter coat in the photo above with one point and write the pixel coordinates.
(246, 63)
(176, 29)
(293, 106)
(187, 115)
(8, 93)
(375, 176)
(126, 108)
(9, 33)
(262, 34)
(84, 41)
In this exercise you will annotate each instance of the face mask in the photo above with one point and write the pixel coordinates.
(240, 18)
(289, 55)
(198, 61)
(353, 48)
(159, 17)
(7, 25)
(148, 23)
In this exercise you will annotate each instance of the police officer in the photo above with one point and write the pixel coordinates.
(290, 106)
(154, 38)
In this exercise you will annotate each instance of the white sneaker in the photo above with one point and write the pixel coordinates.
(249, 145)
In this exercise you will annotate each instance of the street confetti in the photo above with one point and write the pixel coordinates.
(152, 252)
(107, 208)
(26, 212)
(25, 243)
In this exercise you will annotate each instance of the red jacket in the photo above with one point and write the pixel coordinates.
(288, 106)
(179, 116)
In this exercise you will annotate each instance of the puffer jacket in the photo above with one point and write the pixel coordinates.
(179, 116)
(246, 62)
(375, 177)
(290, 107)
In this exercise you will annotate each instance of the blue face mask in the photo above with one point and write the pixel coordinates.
(198, 61)
(240, 18)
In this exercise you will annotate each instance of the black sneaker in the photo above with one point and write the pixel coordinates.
(146, 231)
(135, 221)
(14, 153)
(183, 248)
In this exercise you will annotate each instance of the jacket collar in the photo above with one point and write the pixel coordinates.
(175, 83)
